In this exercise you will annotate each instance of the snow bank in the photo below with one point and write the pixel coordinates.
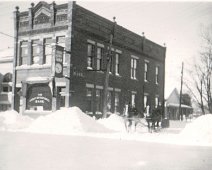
(114, 122)
(66, 121)
(200, 130)
(12, 120)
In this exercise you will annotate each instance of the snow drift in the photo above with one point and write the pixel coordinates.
(12, 120)
(200, 130)
(113, 122)
(66, 121)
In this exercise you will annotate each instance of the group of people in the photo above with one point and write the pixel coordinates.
(153, 119)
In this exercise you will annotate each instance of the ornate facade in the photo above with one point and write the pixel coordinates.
(137, 71)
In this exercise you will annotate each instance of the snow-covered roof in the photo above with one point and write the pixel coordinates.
(177, 105)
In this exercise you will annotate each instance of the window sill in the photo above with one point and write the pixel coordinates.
(89, 68)
(134, 79)
(102, 72)
(117, 75)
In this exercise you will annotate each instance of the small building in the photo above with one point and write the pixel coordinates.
(173, 104)
(6, 65)
(137, 71)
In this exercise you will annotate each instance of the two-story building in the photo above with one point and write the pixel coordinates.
(137, 71)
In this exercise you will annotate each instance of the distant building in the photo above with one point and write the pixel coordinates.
(6, 65)
(137, 71)
(173, 102)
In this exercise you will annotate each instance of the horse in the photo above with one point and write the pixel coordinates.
(132, 116)
(154, 119)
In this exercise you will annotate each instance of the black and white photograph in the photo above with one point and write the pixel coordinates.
(105, 85)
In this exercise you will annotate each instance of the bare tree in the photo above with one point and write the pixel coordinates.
(202, 73)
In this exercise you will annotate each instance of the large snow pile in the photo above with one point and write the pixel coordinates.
(200, 130)
(114, 122)
(66, 121)
(12, 120)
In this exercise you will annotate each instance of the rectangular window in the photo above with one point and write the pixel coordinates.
(61, 96)
(23, 53)
(98, 100)
(99, 58)
(109, 101)
(111, 63)
(90, 56)
(156, 101)
(6, 88)
(145, 101)
(88, 105)
(47, 51)
(89, 92)
(35, 52)
(117, 64)
(61, 41)
(133, 99)
(116, 102)
(133, 68)
(157, 75)
(146, 71)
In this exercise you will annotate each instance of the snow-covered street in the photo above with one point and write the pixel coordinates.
(69, 139)
(24, 151)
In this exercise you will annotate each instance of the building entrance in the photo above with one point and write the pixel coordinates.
(39, 97)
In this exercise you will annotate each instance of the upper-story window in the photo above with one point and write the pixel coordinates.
(61, 41)
(99, 58)
(157, 74)
(47, 51)
(146, 65)
(117, 56)
(134, 62)
(111, 62)
(90, 56)
(23, 52)
(35, 52)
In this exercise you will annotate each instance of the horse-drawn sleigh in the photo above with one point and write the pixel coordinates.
(133, 117)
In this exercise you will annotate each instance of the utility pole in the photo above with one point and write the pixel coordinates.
(106, 83)
(181, 86)
(14, 90)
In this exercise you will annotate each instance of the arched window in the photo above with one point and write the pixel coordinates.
(7, 83)
(7, 78)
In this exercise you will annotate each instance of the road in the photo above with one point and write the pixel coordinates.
(25, 151)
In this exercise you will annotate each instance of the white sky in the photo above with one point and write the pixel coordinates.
(175, 23)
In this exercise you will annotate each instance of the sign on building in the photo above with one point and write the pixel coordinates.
(59, 61)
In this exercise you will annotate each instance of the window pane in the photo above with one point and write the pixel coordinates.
(135, 63)
(89, 92)
(89, 50)
(132, 63)
(133, 100)
(145, 101)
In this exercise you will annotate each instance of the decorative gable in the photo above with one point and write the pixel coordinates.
(41, 19)
(42, 13)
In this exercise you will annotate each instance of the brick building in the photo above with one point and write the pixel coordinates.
(137, 71)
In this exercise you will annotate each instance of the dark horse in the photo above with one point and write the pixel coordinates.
(154, 119)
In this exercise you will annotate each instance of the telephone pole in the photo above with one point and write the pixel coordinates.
(106, 83)
(181, 86)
